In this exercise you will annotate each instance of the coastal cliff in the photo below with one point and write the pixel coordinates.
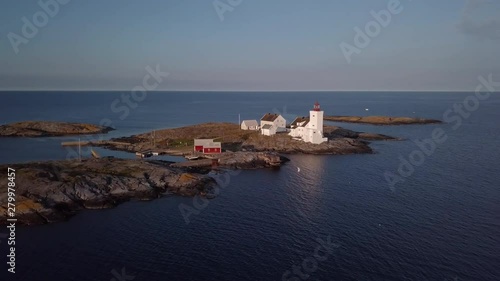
(49, 129)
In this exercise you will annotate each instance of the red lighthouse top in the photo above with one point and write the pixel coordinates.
(316, 106)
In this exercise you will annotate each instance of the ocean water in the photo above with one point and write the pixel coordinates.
(441, 223)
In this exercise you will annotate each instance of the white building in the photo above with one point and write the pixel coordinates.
(276, 124)
(251, 125)
(309, 129)
(268, 130)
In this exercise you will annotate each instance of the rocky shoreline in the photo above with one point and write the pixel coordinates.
(55, 190)
(50, 129)
(234, 160)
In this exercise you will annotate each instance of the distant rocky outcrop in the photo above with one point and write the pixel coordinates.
(54, 190)
(333, 132)
(49, 129)
(381, 120)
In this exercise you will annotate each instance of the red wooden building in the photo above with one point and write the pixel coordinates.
(207, 146)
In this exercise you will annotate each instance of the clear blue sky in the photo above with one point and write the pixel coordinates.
(260, 45)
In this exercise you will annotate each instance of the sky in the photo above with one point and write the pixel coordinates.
(249, 45)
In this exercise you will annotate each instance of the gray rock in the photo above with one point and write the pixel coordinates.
(51, 191)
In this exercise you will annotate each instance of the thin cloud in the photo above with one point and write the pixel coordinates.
(484, 29)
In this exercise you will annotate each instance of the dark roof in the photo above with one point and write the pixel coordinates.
(300, 120)
(269, 117)
(267, 126)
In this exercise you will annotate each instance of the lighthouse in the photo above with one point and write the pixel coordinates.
(309, 129)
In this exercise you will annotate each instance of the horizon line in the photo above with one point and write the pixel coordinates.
(237, 91)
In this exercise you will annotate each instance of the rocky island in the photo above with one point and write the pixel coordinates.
(49, 129)
(179, 141)
(53, 191)
(381, 120)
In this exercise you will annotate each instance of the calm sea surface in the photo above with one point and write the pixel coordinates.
(441, 223)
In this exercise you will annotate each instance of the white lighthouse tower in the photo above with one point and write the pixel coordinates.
(316, 125)
(311, 129)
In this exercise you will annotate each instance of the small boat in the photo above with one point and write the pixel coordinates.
(192, 157)
(144, 154)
